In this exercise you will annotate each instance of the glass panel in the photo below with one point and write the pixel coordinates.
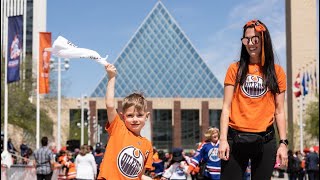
(214, 117)
(162, 129)
(190, 130)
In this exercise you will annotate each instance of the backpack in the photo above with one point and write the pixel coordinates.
(296, 164)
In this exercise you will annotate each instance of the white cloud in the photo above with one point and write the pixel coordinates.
(224, 44)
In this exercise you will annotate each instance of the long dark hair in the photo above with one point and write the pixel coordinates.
(268, 69)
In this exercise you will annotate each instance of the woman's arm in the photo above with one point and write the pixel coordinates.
(282, 129)
(224, 122)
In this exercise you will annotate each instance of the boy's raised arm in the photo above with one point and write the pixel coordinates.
(109, 99)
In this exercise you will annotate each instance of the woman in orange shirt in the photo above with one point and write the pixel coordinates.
(254, 92)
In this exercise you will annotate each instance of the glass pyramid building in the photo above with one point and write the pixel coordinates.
(160, 61)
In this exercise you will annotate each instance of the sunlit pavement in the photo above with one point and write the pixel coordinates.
(283, 178)
(273, 178)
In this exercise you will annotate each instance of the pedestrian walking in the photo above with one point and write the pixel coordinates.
(85, 164)
(207, 158)
(44, 160)
(254, 93)
(312, 164)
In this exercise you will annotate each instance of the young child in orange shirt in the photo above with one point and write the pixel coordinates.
(128, 154)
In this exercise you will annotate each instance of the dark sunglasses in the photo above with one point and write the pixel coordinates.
(254, 39)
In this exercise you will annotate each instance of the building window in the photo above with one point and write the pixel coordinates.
(102, 120)
(162, 128)
(214, 117)
(75, 128)
(190, 131)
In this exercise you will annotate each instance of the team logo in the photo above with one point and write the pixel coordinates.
(254, 86)
(130, 162)
(179, 171)
(213, 155)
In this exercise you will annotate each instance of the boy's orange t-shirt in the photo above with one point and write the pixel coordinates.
(253, 104)
(127, 155)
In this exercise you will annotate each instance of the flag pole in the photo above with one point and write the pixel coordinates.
(301, 123)
(5, 144)
(301, 110)
(24, 64)
(38, 108)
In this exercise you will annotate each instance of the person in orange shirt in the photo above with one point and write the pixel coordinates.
(128, 154)
(254, 92)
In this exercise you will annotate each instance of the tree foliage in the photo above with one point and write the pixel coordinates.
(312, 118)
(21, 112)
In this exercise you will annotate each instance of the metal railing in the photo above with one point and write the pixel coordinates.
(22, 172)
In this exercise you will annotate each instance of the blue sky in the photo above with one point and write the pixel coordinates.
(213, 27)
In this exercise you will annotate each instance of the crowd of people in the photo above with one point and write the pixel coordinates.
(302, 165)
(84, 162)
(79, 163)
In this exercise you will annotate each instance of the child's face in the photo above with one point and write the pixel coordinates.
(135, 120)
(215, 137)
(70, 156)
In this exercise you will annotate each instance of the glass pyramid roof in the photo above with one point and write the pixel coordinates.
(160, 61)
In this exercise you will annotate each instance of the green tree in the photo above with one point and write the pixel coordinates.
(312, 118)
(21, 112)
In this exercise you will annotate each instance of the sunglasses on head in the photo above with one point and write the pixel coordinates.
(258, 26)
(254, 40)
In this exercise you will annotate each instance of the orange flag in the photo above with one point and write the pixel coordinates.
(44, 62)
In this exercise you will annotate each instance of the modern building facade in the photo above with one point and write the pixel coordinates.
(182, 106)
(302, 21)
(184, 96)
(34, 14)
(160, 61)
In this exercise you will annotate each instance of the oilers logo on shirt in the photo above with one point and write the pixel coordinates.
(130, 162)
(254, 86)
(214, 155)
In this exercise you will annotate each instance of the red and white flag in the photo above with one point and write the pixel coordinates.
(297, 86)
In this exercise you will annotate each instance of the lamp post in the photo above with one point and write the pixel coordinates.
(59, 66)
(92, 129)
(79, 125)
(99, 132)
(82, 103)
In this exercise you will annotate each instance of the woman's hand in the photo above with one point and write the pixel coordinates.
(224, 150)
(282, 155)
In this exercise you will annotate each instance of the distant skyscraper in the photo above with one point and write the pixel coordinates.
(160, 61)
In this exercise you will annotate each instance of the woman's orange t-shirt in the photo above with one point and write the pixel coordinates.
(253, 104)
(127, 155)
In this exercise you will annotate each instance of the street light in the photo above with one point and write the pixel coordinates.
(82, 103)
(79, 125)
(92, 133)
(59, 66)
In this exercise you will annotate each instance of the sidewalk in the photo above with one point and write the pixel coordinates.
(284, 178)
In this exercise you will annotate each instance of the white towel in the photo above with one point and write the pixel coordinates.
(63, 48)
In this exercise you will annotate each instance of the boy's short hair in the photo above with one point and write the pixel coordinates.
(135, 99)
(210, 132)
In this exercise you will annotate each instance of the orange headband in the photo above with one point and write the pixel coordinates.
(259, 28)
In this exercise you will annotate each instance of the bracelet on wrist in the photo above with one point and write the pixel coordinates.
(284, 141)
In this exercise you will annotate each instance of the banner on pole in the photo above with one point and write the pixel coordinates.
(44, 62)
(15, 40)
